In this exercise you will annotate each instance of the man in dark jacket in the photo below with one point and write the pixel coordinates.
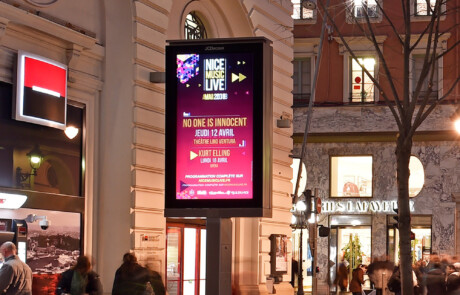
(15, 275)
(436, 280)
(132, 278)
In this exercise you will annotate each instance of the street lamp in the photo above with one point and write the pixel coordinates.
(301, 211)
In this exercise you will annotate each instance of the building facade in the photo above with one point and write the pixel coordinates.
(116, 169)
(350, 152)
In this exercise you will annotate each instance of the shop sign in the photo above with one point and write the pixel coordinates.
(218, 108)
(41, 91)
(361, 206)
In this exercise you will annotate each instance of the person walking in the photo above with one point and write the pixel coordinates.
(436, 280)
(134, 279)
(357, 280)
(80, 280)
(15, 275)
(341, 280)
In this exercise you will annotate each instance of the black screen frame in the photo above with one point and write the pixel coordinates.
(260, 204)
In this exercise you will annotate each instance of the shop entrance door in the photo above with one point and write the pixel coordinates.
(186, 259)
(349, 245)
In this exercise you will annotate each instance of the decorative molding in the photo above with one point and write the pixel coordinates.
(73, 55)
(24, 18)
(359, 43)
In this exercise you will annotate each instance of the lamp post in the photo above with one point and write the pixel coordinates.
(300, 214)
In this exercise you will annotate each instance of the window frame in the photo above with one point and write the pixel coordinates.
(348, 156)
(301, 19)
(352, 16)
(424, 17)
(421, 50)
(350, 73)
(302, 100)
(361, 47)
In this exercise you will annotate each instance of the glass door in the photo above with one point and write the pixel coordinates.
(350, 242)
(186, 259)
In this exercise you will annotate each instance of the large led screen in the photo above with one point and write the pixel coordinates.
(214, 119)
(218, 115)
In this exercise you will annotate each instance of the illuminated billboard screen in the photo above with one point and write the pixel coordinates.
(41, 91)
(216, 108)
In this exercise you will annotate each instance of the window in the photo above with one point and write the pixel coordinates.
(362, 87)
(361, 7)
(302, 80)
(303, 9)
(417, 66)
(424, 7)
(194, 27)
(417, 176)
(60, 170)
(351, 176)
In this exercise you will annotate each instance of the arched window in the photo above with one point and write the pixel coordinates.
(194, 27)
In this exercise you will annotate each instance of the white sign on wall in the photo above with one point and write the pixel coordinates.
(360, 206)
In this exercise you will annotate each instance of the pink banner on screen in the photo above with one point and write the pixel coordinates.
(214, 126)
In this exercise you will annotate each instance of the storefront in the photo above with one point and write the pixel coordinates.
(356, 182)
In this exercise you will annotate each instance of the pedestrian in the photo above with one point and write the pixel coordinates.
(436, 280)
(357, 280)
(341, 279)
(80, 279)
(134, 279)
(15, 275)
(379, 273)
(452, 280)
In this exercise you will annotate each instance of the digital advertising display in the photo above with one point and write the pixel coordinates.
(41, 91)
(217, 107)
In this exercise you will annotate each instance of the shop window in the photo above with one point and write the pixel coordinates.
(417, 176)
(48, 252)
(60, 169)
(417, 66)
(186, 266)
(194, 27)
(362, 87)
(303, 10)
(420, 246)
(295, 172)
(302, 80)
(351, 176)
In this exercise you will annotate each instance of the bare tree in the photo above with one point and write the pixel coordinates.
(410, 106)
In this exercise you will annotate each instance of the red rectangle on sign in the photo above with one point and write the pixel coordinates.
(44, 75)
(357, 87)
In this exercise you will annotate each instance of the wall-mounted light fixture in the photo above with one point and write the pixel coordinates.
(71, 132)
(35, 160)
(283, 122)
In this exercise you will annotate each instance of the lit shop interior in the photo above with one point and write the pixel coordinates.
(349, 213)
(41, 190)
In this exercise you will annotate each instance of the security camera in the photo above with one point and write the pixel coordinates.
(44, 224)
(42, 220)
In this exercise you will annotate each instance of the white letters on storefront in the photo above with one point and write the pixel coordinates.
(360, 206)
